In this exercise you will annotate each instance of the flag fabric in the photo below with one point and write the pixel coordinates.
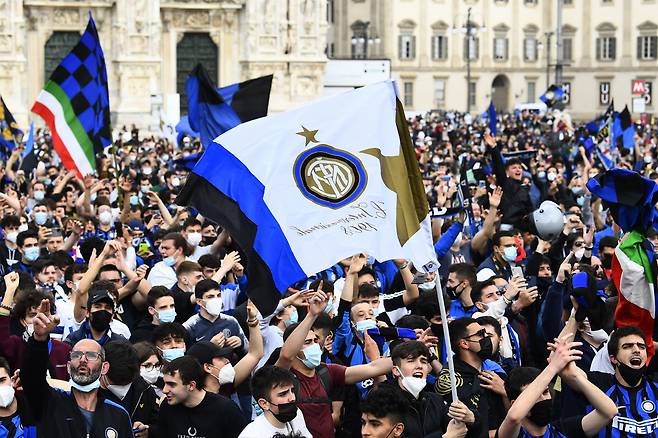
(299, 191)
(183, 129)
(28, 157)
(74, 103)
(213, 111)
(187, 162)
(553, 97)
(624, 130)
(9, 132)
(493, 120)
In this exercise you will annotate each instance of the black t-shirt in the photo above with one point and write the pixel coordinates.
(571, 427)
(215, 417)
(184, 307)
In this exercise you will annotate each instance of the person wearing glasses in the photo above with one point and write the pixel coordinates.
(472, 346)
(82, 412)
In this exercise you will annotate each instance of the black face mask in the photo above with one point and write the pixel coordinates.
(453, 293)
(437, 330)
(632, 376)
(606, 262)
(100, 320)
(541, 412)
(287, 412)
(486, 348)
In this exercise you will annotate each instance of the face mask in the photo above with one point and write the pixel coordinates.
(144, 189)
(151, 376)
(454, 292)
(194, 239)
(606, 262)
(580, 201)
(551, 176)
(6, 395)
(287, 412)
(648, 159)
(542, 175)
(214, 306)
(134, 200)
(167, 315)
(169, 261)
(366, 324)
(541, 412)
(86, 388)
(486, 349)
(32, 253)
(175, 181)
(22, 228)
(11, 236)
(598, 336)
(93, 197)
(632, 376)
(105, 218)
(414, 385)
(147, 170)
(39, 195)
(172, 353)
(119, 391)
(165, 157)
(226, 374)
(509, 253)
(576, 190)
(100, 320)
(429, 286)
(330, 306)
(313, 356)
(579, 253)
(40, 217)
(294, 317)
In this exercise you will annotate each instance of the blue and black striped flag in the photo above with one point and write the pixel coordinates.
(553, 97)
(9, 132)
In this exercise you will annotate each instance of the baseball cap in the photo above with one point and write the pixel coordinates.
(100, 295)
(206, 351)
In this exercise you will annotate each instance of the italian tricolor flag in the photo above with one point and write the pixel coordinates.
(632, 275)
(71, 140)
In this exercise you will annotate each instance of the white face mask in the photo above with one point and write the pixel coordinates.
(579, 253)
(22, 228)
(412, 384)
(6, 395)
(194, 239)
(214, 306)
(175, 181)
(105, 218)
(119, 390)
(151, 376)
(12, 236)
(226, 374)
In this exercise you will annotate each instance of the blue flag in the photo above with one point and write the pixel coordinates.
(183, 128)
(553, 97)
(9, 132)
(213, 111)
(28, 157)
(492, 119)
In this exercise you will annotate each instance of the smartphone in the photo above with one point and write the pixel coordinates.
(517, 271)
(419, 278)
(446, 177)
(482, 184)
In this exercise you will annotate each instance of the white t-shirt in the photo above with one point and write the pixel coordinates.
(261, 428)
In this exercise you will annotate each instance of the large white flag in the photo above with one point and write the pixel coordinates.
(303, 189)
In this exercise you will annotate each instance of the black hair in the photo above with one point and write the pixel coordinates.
(291, 328)
(476, 292)
(4, 364)
(210, 261)
(62, 259)
(327, 286)
(89, 245)
(607, 242)
(29, 298)
(409, 350)
(385, 401)
(413, 322)
(173, 329)
(75, 268)
(10, 221)
(512, 161)
(427, 305)
(517, 379)
(464, 271)
(322, 322)
(189, 369)
(499, 235)
(493, 322)
(367, 290)
(123, 360)
(42, 263)
(621, 332)
(204, 286)
(156, 293)
(190, 222)
(458, 329)
(268, 378)
(24, 235)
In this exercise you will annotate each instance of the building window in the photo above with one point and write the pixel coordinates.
(606, 48)
(330, 11)
(500, 48)
(359, 39)
(439, 47)
(530, 2)
(646, 47)
(330, 51)
(567, 2)
(407, 46)
(471, 48)
(532, 86)
(567, 49)
(472, 89)
(530, 49)
(409, 94)
(439, 92)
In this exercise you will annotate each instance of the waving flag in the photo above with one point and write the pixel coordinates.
(28, 158)
(631, 199)
(623, 129)
(301, 190)
(74, 104)
(9, 132)
(213, 111)
(493, 120)
(553, 97)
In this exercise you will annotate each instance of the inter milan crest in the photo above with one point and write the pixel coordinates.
(648, 406)
(328, 176)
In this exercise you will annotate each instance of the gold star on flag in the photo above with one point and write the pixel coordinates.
(308, 135)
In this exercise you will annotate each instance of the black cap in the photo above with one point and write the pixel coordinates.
(100, 295)
(206, 351)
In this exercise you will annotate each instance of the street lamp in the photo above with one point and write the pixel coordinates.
(363, 41)
(469, 30)
(548, 36)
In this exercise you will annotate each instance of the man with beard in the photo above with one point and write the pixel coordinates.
(81, 412)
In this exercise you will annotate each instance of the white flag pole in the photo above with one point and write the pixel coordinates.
(446, 338)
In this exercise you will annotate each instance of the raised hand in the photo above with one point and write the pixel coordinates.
(495, 197)
(563, 352)
(44, 322)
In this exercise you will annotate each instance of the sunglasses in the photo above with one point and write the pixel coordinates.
(481, 333)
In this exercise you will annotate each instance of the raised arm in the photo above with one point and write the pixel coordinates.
(244, 367)
(411, 292)
(479, 242)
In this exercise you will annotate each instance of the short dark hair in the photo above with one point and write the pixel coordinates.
(156, 293)
(427, 305)
(458, 329)
(608, 242)
(29, 298)
(385, 401)
(499, 235)
(189, 369)
(493, 322)
(267, 378)
(412, 322)
(464, 271)
(512, 161)
(24, 235)
(10, 221)
(42, 263)
(210, 261)
(517, 379)
(123, 360)
(367, 290)
(327, 286)
(476, 292)
(188, 266)
(4, 364)
(409, 350)
(322, 322)
(621, 332)
(190, 222)
(62, 259)
(179, 242)
(90, 244)
(145, 350)
(173, 329)
(204, 286)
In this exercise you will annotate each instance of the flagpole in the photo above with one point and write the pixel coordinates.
(446, 338)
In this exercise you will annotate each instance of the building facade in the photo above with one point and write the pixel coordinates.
(605, 46)
(150, 47)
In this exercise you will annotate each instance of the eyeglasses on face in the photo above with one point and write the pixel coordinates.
(89, 355)
(480, 333)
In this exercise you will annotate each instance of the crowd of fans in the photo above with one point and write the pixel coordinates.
(124, 314)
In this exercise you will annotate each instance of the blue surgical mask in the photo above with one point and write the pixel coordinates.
(86, 388)
(32, 253)
(134, 200)
(580, 201)
(510, 254)
(40, 217)
(366, 324)
(173, 353)
(167, 315)
(313, 356)
(294, 318)
(39, 195)
(330, 306)
(169, 261)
